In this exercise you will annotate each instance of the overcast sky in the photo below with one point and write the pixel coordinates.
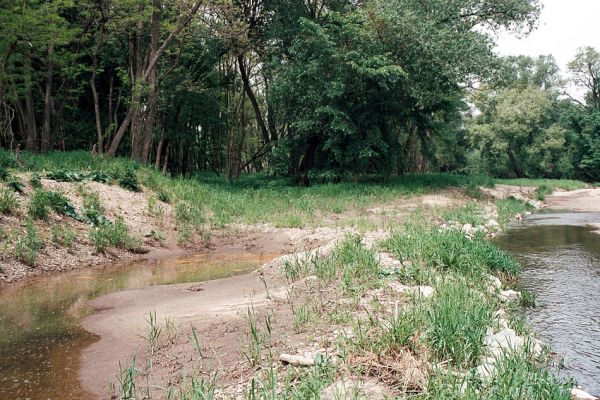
(564, 26)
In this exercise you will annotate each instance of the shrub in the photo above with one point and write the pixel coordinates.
(4, 175)
(35, 181)
(129, 181)
(164, 196)
(8, 202)
(15, 184)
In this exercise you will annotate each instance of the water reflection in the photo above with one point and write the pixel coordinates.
(562, 267)
(40, 338)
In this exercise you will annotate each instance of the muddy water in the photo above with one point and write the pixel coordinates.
(561, 261)
(40, 336)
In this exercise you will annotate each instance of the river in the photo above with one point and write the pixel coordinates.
(40, 337)
(561, 264)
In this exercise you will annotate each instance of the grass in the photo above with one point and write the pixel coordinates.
(458, 320)
(28, 245)
(508, 208)
(113, 234)
(548, 184)
(9, 203)
(425, 246)
(519, 376)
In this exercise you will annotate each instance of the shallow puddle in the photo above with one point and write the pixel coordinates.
(40, 337)
(561, 261)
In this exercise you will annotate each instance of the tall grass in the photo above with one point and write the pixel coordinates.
(429, 246)
(458, 319)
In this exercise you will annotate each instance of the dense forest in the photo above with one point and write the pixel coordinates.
(316, 89)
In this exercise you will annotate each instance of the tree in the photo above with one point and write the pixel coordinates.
(518, 135)
(585, 73)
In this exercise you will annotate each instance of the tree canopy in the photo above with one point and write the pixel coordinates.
(317, 89)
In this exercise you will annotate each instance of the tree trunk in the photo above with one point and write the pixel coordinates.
(150, 113)
(151, 66)
(248, 89)
(99, 133)
(31, 142)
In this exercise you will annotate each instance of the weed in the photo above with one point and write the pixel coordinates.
(63, 236)
(458, 320)
(15, 184)
(449, 250)
(527, 299)
(153, 332)
(27, 247)
(196, 343)
(127, 385)
(8, 202)
(508, 208)
(469, 214)
(35, 181)
(39, 205)
(129, 181)
(116, 234)
(542, 191)
(302, 317)
(164, 196)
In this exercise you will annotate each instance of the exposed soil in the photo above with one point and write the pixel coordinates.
(583, 200)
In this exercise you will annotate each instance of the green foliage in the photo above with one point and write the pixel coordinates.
(458, 320)
(63, 236)
(116, 234)
(449, 250)
(519, 376)
(27, 246)
(39, 205)
(129, 181)
(35, 181)
(8, 202)
(15, 184)
(508, 208)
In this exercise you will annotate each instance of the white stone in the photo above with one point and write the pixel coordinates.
(509, 295)
(492, 224)
(486, 371)
(506, 339)
(467, 229)
(297, 360)
(578, 394)
(495, 282)
(347, 389)
(423, 291)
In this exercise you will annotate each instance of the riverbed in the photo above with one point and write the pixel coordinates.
(41, 340)
(560, 255)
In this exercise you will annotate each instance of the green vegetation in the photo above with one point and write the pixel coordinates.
(28, 245)
(113, 234)
(458, 320)
(8, 202)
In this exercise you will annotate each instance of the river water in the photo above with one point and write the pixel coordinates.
(40, 337)
(561, 264)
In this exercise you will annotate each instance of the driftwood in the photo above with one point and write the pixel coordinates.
(297, 360)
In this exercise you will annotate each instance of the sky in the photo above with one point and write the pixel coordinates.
(564, 26)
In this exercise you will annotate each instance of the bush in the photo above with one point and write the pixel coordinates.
(8, 202)
(35, 181)
(129, 181)
(39, 205)
(15, 184)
